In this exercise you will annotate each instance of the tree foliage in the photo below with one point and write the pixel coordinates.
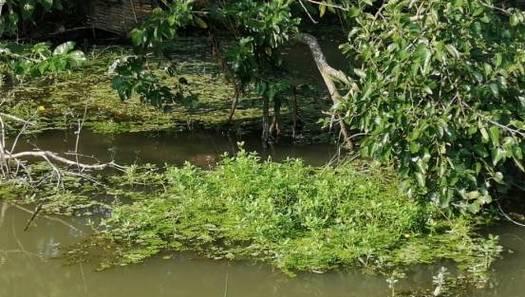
(439, 90)
(40, 59)
(14, 12)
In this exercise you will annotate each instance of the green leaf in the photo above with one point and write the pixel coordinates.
(497, 155)
(354, 12)
(494, 135)
(420, 179)
(453, 51)
(322, 9)
(514, 20)
(494, 88)
(137, 36)
(484, 135)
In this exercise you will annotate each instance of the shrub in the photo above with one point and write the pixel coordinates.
(439, 90)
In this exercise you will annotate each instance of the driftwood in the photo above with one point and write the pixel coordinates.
(50, 157)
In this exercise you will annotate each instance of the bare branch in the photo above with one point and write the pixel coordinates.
(17, 119)
(47, 155)
(307, 12)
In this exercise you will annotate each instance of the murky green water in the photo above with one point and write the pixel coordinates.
(31, 263)
(200, 148)
(31, 266)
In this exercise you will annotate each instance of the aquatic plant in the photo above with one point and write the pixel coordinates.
(291, 215)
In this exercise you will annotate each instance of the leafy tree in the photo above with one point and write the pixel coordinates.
(439, 90)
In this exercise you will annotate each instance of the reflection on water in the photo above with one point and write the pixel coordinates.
(27, 269)
(509, 277)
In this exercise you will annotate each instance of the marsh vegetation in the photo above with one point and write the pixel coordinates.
(387, 134)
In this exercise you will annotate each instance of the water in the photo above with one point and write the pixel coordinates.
(31, 266)
(199, 148)
(31, 262)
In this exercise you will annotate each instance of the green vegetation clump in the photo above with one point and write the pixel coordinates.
(296, 217)
(9, 191)
(438, 90)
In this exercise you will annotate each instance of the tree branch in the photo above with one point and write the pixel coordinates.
(46, 155)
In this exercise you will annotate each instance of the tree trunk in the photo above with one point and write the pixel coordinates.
(266, 120)
(275, 126)
(235, 102)
(295, 112)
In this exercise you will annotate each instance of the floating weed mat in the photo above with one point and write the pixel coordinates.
(293, 216)
(58, 102)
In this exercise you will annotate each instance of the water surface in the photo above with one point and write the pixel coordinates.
(31, 263)
(199, 147)
(31, 266)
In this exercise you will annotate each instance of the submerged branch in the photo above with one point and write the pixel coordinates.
(9, 156)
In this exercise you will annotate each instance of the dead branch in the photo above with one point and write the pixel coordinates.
(8, 157)
(33, 216)
(48, 156)
(49, 218)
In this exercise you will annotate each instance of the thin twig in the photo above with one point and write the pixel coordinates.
(506, 216)
(35, 213)
(328, 5)
(53, 219)
(307, 12)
